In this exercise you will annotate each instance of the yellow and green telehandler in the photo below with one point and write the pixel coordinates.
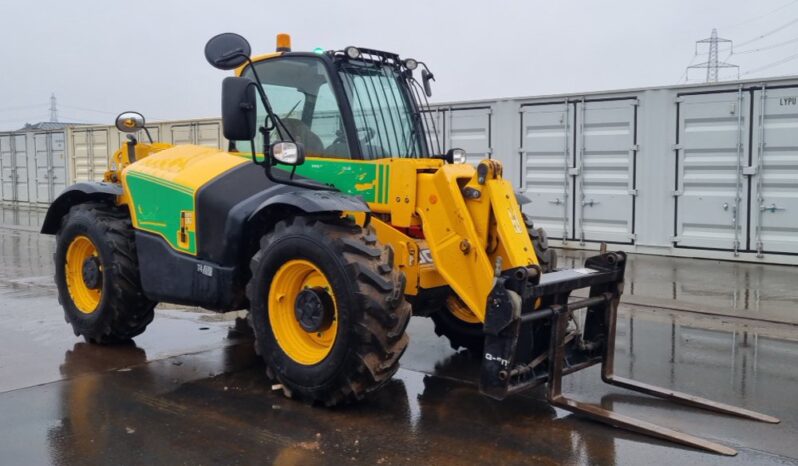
(332, 217)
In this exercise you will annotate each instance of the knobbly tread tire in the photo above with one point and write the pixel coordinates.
(469, 335)
(547, 257)
(124, 312)
(377, 313)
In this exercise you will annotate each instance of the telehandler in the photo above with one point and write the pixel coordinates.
(332, 217)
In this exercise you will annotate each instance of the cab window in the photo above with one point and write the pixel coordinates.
(299, 91)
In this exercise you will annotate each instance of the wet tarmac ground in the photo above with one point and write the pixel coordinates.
(190, 391)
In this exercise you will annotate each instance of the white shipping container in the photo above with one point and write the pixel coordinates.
(706, 170)
(92, 147)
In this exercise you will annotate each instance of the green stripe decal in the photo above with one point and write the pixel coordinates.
(381, 198)
(387, 180)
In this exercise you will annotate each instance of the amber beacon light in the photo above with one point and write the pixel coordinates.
(283, 42)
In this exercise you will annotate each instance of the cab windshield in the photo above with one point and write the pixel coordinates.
(382, 111)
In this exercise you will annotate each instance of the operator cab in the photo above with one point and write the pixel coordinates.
(353, 103)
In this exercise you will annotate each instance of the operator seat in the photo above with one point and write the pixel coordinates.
(302, 133)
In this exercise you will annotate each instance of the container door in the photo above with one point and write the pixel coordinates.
(81, 159)
(21, 168)
(100, 152)
(712, 152)
(774, 193)
(469, 129)
(42, 155)
(208, 134)
(58, 168)
(547, 158)
(6, 168)
(182, 134)
(605, 170)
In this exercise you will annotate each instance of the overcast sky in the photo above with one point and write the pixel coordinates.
(103, 56)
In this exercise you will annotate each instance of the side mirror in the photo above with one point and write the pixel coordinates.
(227, 51)
(239, 109)
(288, 153)
(426, 77)
(130, 122)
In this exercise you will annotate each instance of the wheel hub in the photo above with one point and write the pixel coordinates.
(314, 309)
(92, 276)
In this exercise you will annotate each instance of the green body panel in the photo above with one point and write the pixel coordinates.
(158, 206)
(368, 180)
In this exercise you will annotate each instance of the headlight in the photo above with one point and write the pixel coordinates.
(352, 52)
(288, 153)
(411, 64)
(456, 156)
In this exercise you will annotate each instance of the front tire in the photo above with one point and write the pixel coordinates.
(97, 275)
(353, 335)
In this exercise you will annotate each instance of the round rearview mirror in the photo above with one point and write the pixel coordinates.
(129, 122)
(288, 153)
(227, 51)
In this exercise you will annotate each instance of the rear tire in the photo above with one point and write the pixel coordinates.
(469, 335)
(102, 300)
(370, 316)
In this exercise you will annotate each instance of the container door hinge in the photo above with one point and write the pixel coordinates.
(633, 236)
(635, 148)
(749, 171)
(675, 239)
(633, 192)
(678, 100)
(635, 102)
(574, 171)
(678, 193)
(677, 147)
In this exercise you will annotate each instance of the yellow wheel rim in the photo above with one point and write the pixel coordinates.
(304, 347)
(86, 299)
(458, 309)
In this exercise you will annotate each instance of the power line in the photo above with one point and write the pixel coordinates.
(767, 47)
(769, 33)
(771, 65)
(756, 18)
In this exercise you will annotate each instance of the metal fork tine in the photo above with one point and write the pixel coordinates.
(556, 398)
(608, 376)
(625, 422)
(689, 400)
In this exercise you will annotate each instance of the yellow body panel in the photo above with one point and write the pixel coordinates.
(187, 165)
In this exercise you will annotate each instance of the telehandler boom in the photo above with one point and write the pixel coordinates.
(334, 215)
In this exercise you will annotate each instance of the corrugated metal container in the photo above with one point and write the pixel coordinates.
(32, 166)
(697, 170)
(91, 147)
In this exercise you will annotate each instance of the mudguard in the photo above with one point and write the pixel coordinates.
(76, 194)
(310, 202)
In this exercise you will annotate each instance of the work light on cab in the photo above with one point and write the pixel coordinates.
(411, 64)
